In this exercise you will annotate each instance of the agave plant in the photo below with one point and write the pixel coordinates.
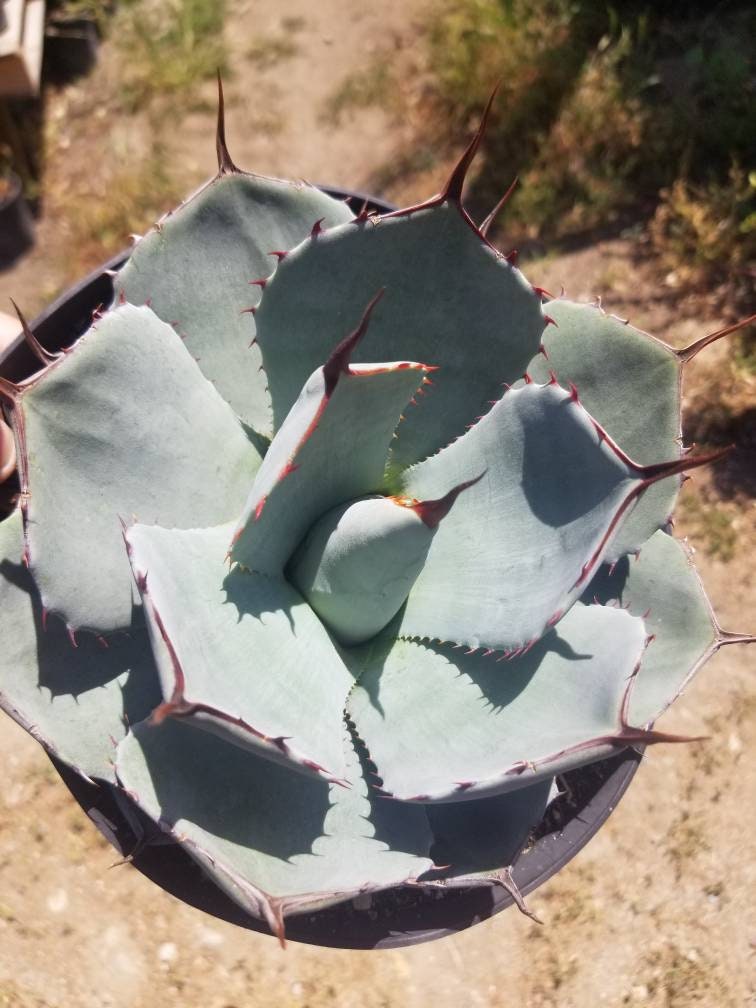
(320, 556)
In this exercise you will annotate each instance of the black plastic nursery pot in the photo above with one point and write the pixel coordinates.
(394, 918)
(16, 223)
(71, 46)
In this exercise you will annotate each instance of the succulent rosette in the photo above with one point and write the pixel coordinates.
(327, 510)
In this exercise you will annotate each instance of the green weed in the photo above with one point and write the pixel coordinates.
(707, 233)
(678, 979)
(710, 526)
(166, 48)
(371, 86)
(685, 841)
(98, 10)
(605, 112)
(138, 195)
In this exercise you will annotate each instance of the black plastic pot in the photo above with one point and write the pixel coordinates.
(398, 917)
(16, 223)
(71, 46)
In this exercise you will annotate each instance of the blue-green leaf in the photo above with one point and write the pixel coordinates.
(240, 654)
(451, 300)
(195, 267)
(74, 696)
(124, 424)
(332, 447)
(662, 585)
(628, 381)
(519, 546)
(445, 726)
(279, 843)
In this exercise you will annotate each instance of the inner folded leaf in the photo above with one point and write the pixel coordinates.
(332, 447)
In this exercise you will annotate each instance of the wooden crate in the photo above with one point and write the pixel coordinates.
(21, 41)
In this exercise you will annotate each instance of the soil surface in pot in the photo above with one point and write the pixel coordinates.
(656, 911)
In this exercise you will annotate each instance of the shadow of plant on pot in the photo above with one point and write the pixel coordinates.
(370, 623)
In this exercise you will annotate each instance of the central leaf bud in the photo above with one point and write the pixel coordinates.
(358, 562)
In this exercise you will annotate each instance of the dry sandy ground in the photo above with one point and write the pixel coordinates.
(657, 911)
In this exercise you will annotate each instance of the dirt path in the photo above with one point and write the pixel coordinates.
(657, 911)
(284, 62)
